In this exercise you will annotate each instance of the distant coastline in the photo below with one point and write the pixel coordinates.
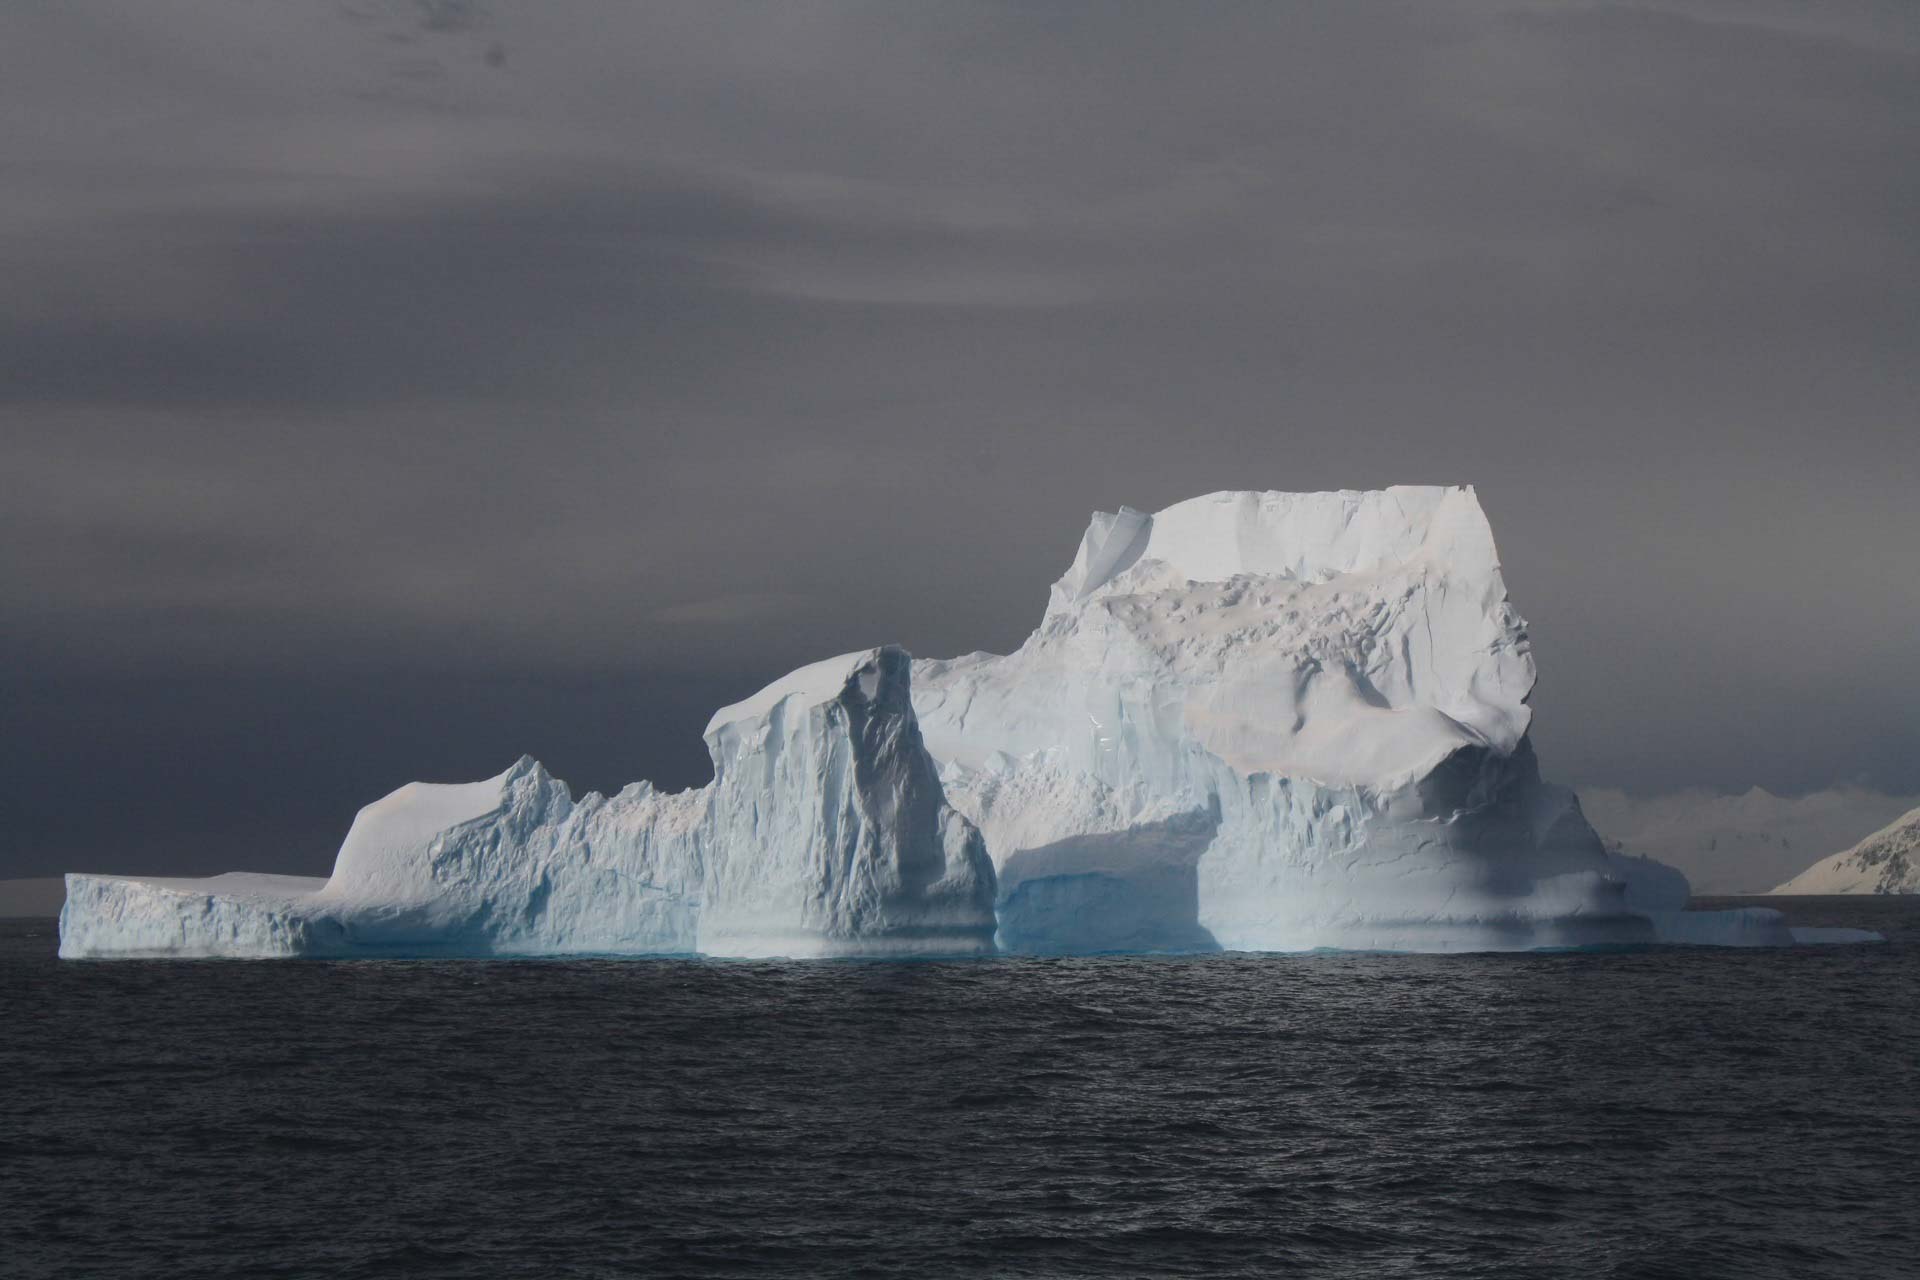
(34, 897)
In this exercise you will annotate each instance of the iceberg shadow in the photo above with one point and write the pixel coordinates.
(1127, 891)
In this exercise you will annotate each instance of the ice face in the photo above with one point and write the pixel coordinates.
(824, 832)
(1273, 721)
(1257, 721)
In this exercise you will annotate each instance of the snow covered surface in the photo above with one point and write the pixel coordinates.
(1252, 721)
(1888, 861)
(1271, 721)
(1740, 843)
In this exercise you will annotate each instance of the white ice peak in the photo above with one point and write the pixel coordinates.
(1348, 638)
(1306, 537)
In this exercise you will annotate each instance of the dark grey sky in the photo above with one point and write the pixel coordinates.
(387, 388)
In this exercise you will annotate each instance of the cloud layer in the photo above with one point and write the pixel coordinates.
(466, 362)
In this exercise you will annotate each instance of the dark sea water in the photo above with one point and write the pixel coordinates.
(1667, 1112)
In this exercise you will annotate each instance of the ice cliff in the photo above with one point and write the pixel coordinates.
(1888, 861)
(823, 832)
(1273, 721)
(1259, 721)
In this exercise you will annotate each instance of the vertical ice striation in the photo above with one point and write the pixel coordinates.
(824, 832)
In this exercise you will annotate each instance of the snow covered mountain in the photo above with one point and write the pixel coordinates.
(1259, 721)
(1739, 843)
(1888, 861)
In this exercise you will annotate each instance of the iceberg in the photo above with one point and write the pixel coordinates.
(1276, 722)
(1250, 721)
(824, 832)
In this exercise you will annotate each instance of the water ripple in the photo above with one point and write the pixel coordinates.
(1635, 1114)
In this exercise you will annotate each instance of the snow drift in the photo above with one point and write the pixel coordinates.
(1259, 721)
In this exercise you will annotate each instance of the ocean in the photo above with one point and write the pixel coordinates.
(1661, 1112)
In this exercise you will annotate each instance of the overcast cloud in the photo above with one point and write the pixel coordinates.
(387, 388)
